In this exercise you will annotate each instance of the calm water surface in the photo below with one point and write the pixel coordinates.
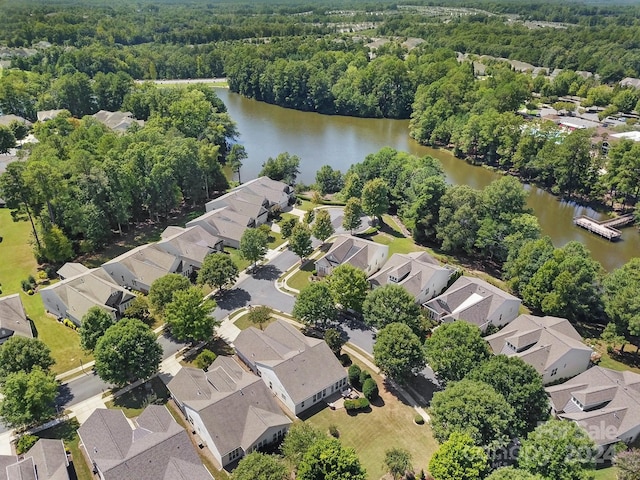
(267, 130)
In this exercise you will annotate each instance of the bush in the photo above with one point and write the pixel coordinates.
(25, 442)
(25, 285)
(70, 324)
(364, 375)
(418, 419)
(205, 359)
(354, 375)
(42, 275)
(357, 404)
(32, 280)
(30, 292)
(333, 431)
(370, 389)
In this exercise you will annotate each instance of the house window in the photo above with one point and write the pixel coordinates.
(324, 392)
(270, 385)
(554, 371)
(302, 404)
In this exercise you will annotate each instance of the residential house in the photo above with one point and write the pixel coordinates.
(152, 447)
(231, 409)
(271, 191)
(72, 297)
(140, 267)
(7, 120)
(45, 115)
(46, 460)
(549, 344)
(13, 320)
(191, 245)
(301, 371)
(630, 82)
(224, 223)
(117, 121)
(71, 269)
(605, 402)
(475, 301)
(418, 272)
(364, 254)
(245, 203)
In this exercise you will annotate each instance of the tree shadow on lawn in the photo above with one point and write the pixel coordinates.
(233, 299)
(267, 272)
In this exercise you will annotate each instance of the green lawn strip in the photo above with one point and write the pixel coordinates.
(287, 216)
(240, 262)
(17, 264)
(374, 432)
(300, 279)
(612, 361)
(306, 205)
(243, 322)
(133, 402)
(68, 433)
(275, 240)
(610, 473)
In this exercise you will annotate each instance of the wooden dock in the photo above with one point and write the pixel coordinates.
(605, 228)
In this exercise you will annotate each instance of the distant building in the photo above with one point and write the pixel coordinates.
(363, 254)
(13, 320)
(117, 121)
(45, 115)
(191, 245)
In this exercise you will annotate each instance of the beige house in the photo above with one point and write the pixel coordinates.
(191, 245)
(231, 409)
(418, 272)
(475, 301)
(117, 121)
(13, 319)
(363, 254)
(224, 223)
(261, 191)
(606, 403)
(301, 371)
(549, 344)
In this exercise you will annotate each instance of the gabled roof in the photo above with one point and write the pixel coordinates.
(304, 365)
(470, 299)
(148, 262)
(609, 403)
(274, 191)
(13, 320)
(71, 269)
(46, 460)
(193, 243)
(146, 450)
(44, 115)
(119, 121)
(235, 406)
(413, 271)
(7, 119)
(243, 202)
(353, 250)
(224, 222)
(539, 341)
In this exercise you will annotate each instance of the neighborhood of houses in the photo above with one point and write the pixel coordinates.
(248, 401)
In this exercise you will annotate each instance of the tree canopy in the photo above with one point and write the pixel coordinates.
(189, 317)
(260, 466)
(94, 323)
(28, 397)
(327, 459)
(300, 240)
(315, 305)
(162, 290)
(253, 245)
(348, 286)
(322, 227)
(392, 303)
(298, 440)
(22, 354)
(458, 459)
(398, 352)
(217, 271)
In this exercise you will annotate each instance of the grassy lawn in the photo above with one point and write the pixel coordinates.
(132, 403)
(237, 259)
(627, 360)
(217, 346)
(610, 473)
(67, 432)
(17, 264)
(275, 240)
(300, 279)
(386, 426)
(306, 205)
(243, 322)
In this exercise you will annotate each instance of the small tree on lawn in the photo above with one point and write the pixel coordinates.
(375, 198)
(286, 226)
(348, 286)
(259, 315)
(189, 316)
(398, 462)
(315, 305)
(28, 397)
(253, 245)
(459, 459)
(94, 323)
(334, 340)
(204, 359)
(162, 289)
(322, 228)
(217, 271)
(352, 216)
(398, 351)
(300, 241)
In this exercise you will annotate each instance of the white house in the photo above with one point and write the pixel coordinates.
(230, 409)
(475, 301)
(418, 272)
(549, 344)
(363, 254)
(301, 371)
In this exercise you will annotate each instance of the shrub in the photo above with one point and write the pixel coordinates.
(314, 272)
(25, 285)
(333, 431)
(354, 374)
(70, 324)
(30, 292)
(32, 280)
(357, 404)
(42, 275)
(364, 375)
(418, 419)
(370, 389)
(25, 442)
(205, 359)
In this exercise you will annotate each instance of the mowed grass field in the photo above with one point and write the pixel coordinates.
(16, 264)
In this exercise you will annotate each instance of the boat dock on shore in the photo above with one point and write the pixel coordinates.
(605, 228)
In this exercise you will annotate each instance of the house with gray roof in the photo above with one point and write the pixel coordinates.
(301, 371)
(152, 447)
(261, 192)
(418, 272)
(245, 203)
(46, 460)
(140, 267)
(6, 120)
(117, 121)
(605, 402)
(231, 409)
(71, 269)
(475, 301)
(224, 223)
(551, 345)
(363, 254)
(191, 245)
(73, 297)
(44, 115)
(13, 319)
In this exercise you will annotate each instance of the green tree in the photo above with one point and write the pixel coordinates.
(334, 340)
(204, 359)
(286, 226)
(128, 351)
(511, 473)
(398, 462)
(22, 354)
(298, 440)
(375, 198)
(315, 305)
(259, 315)
(348, 286)
(260, 466)
(73, 92)
(56, 246)
(139, 309)
(520, 385)
(236, 155)
(20, 195)
(7, 139)
(622, 297)
(459, 218)
(459, 459)
(253, 245)
(284, 168)
(94, 323)
(628, 464)
(454, 349)
(611, 336)
(300, 241)
(322, 228)
(352, 186)
(217, 271)
(189, 317)
(28, 397)
(474, 408)
(525, 261)
(389, 304)
(352, 216)
(398, 351)
(162, 289)
(329, 180)
(560, 450)
(327, 459)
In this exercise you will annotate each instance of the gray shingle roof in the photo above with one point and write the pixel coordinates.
(353, 250)
(47, 457)
(414, 271)
(13, 319)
